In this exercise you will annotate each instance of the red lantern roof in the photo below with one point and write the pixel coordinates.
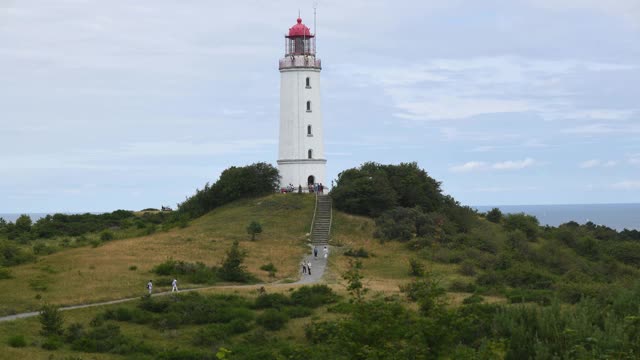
(299, 29)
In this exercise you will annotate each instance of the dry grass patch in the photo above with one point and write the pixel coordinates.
(85, 275)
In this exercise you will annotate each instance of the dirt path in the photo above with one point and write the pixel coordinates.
(318, 266)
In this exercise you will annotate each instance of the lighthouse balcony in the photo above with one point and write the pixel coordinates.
(294, 62)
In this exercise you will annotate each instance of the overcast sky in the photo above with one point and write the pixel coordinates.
(133, 104)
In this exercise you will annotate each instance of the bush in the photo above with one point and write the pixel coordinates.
(297, 311)
(232, 268)
(313, 296)
(51, 320)
(467, 268)
(52, 343)
(254, 229)
(271, 301)
(361, 252)
(5, 273)
(17, 341)
(272, 319)
(106, 235)
(270, 268)
(473, 299)
(416, 268)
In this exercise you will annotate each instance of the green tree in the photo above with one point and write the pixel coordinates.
(51, 320)
(495, 215)
(253, 229)
(232, 268)
(23, 223)
(355, 287)
(528, 224)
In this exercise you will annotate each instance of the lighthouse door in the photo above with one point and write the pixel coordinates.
(311, 180)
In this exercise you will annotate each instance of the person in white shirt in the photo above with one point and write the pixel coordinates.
(150, 287)
(309, 267)
(326, 252)
(174, 285)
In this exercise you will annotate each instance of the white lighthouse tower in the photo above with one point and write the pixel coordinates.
(301, 158)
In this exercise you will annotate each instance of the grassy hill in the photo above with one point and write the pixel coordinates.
(463, 307)
(121, 268)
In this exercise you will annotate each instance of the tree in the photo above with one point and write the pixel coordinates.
(373, 188)
(354, 281)
(23, 224)
(51, 320)
(526, 223)
(253, 229)
(495, 215)
(232, 268)
(235, 183)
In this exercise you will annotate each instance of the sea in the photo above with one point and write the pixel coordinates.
(616, 216)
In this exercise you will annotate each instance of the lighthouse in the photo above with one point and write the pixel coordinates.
(301, 159)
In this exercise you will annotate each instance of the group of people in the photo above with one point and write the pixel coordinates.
(174, 286)
(306, 265)
(319, 188)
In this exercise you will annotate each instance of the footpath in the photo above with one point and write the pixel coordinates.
(318, 266)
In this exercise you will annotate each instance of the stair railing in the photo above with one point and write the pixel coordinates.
(330, 219)
(313, 219)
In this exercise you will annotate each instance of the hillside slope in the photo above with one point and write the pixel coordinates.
(121, 268)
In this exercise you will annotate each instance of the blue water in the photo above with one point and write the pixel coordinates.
(616, 216)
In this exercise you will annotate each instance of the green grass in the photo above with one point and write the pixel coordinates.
(84, 275)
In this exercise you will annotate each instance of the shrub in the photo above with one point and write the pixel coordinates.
(5, 273)
(361, 252)
(297, 311)
(52, 343)
(272, 319)
(270, 268)
(51, 320)
(416, 268)
(495, 215)
(106, 235)
(232, 268)
(254, 229)
(473, 299)
(313, 296)
(271, 301)
(542, 297)
(526, 223)
(43, 249)
(467, 268)
(17, 341)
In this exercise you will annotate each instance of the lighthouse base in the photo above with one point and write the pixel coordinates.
(302, 172)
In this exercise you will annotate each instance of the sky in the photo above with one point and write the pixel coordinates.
(123, 104)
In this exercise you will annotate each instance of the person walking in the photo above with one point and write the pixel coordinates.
(174, 285)
(304, 267)
(150, 287)
(326, 252)
(309, 267)
(315, 251)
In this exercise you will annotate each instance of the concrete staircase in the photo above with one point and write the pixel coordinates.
(321, 229)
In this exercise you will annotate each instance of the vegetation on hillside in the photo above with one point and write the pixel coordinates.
(509, 255)
(235, 183)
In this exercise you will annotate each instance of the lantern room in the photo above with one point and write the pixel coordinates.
(300, 41)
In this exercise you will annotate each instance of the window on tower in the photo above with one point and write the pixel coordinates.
(310, 154)
(309, 130)
(308, 106)
(308, 83)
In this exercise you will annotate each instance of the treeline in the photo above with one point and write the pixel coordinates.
(509, 255)
(235, 183)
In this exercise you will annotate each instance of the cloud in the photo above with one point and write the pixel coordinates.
(453, 89)
(626, 185)
(514, 165)
(588, 164)
(469, 166)
(500, 189)
(503, 165)
(603, 129)
(625, 9)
